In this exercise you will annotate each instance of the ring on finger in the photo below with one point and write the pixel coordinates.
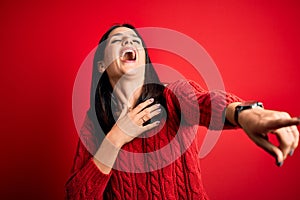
(143, 119)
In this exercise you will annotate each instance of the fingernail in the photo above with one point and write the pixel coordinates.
(157, 105)
(291, 152)
(279, 164)
(157, 122)
(151, 100)
(159, 110)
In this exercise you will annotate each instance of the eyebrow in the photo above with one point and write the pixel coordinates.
(120, 34)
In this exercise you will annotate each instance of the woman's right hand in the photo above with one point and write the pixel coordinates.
(130, 123)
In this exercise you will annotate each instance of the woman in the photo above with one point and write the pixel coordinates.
(149, 146)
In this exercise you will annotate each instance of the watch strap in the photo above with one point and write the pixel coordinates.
(245, 106)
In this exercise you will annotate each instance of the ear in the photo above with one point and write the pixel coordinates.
(101, 66)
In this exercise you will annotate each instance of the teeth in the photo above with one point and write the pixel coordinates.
(127, 51)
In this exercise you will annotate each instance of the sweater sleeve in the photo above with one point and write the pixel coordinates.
(199, 106)
(86, 181)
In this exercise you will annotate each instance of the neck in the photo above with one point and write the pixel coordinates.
(128, 88)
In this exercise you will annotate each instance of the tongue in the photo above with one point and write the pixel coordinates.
(128, 56)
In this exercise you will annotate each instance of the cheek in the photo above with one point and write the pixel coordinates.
(110, 55)
(142, 57)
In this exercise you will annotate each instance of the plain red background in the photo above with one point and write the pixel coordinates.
(255, 45)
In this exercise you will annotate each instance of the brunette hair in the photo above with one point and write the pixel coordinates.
(101, 98)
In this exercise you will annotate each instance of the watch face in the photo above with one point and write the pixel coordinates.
(251, 104)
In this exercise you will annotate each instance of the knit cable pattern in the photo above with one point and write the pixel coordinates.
(180, 179)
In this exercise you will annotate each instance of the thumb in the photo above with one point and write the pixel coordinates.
(124, 111)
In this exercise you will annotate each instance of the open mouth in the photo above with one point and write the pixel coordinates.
(128, 55)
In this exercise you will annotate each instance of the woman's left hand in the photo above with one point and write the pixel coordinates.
(258, 123)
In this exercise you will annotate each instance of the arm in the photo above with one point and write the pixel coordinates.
(128, 126)
(199, 106)
(93, 163)
(86, 181)
(259, 122)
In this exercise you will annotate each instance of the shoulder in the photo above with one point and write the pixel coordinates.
(89, 128)
(182, 87)
(88, 123)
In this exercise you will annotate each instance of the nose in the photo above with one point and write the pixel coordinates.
(127, 41)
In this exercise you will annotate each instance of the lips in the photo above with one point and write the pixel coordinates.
(128, 54)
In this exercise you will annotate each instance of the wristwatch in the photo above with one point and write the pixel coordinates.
(245, 106)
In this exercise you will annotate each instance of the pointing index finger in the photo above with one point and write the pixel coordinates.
(280, 123)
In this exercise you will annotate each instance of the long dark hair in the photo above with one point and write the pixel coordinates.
(101, 89)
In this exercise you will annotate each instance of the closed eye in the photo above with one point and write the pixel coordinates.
(114, 41)
(138, 42)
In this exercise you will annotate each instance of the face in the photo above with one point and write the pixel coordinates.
(124, 52)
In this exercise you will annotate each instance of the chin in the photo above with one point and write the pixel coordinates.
(134, 70)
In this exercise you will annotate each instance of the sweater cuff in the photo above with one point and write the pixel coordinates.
(219, 101)
(230, 98)
(94, 174)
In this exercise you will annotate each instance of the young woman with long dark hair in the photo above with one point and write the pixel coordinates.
(139, 141)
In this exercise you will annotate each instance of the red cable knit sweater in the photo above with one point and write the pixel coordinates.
(172, 173)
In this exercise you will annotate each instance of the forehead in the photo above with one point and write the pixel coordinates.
(122, 31)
